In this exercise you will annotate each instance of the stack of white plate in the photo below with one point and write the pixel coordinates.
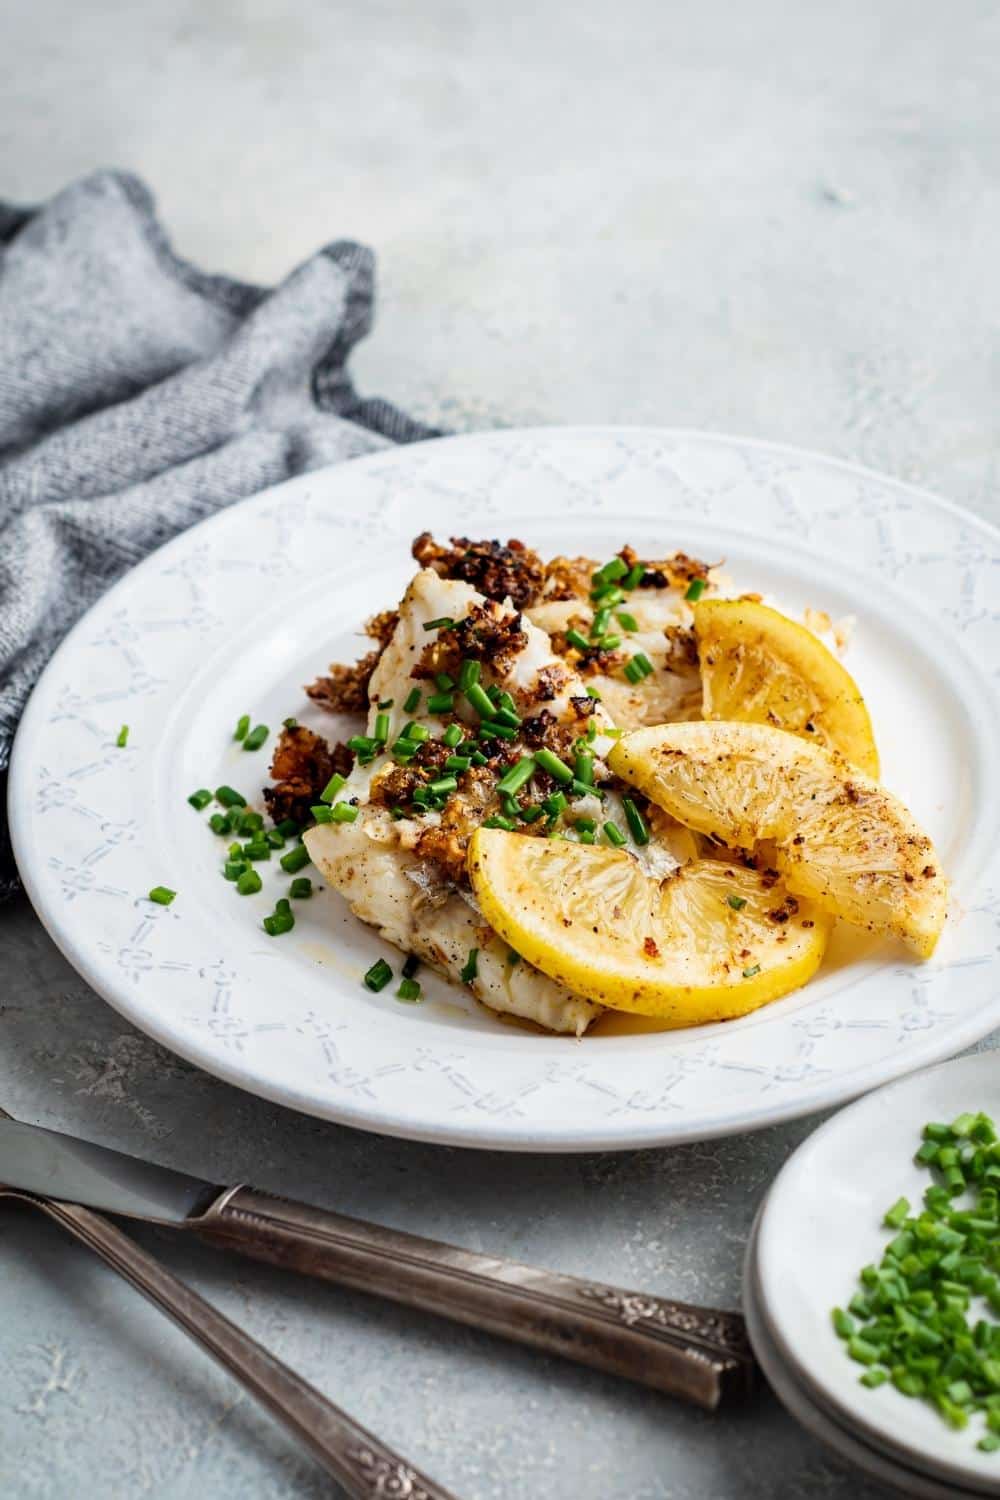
(820, 1223)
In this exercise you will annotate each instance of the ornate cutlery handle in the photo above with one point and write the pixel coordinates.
(361, 1464)
(700, 1354)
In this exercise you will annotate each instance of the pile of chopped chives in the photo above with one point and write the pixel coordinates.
(909, 1323)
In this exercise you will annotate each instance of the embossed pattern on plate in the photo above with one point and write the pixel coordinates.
(233, 616)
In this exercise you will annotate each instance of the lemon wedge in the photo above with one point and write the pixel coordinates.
(839, 838)
(758, 666)
(713, 941)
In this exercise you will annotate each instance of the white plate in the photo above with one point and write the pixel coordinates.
(845, 1444)
(822, 1222)
(234, 615)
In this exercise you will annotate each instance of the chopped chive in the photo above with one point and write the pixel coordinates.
(531, 814)
(555, 804)
(229, 797)
(296, 859)
(322, 813)
(458, 763)
(281, 921)
(385, 703)
(508, 716)
(636, 822)
(444, 622)
(632, 672)
(843, 1324)
(344, 812)
(242, 727)
(736, 902)
(600, 623)
(452, 736)
(584, 768)
(256, 737)
(471, 967)
(381, 733)
(593, 693)
(695, 589)
(518, 776)
(362, 744)
(626, 621)
(895, 1217)
(586, 837)
(610, 573)
(442, 785)
(219, 823)
(200, 799)
(610, 594)
(234, 868)
(122, 739)
(301, 889)
(479, 700)
(287, 827)
(874, 1376)
(334, 785)
(412, 701)
(547, 761)
(249, 883)
(634, 576)
(614, 835)
(441, 703)
(491, 730)
(498, 821)
(478, 758)
(409, 991)
(753, 969)
(257, 849)
(468, 673)
(608, 643)
(378, 975)
(577, 641)
(162, 895)
(274, 838)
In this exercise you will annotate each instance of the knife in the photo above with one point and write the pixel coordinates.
(699, 1354)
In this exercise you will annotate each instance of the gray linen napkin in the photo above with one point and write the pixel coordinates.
(139, 394)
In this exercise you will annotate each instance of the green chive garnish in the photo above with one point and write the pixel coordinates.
(249, 883)
(162, 895)
(614, 835)
(470, 968)
(228, 797)
(458, 763)
(600, 623)
(234, 868)
(555, 804)
(749, 973)
(498, 821)
(695, 589)
(256, 737)
(296, 859)
(200, 800)
(322, 814)
(610, 573)
(626, 621)
(443, 682)
(737, 902)
(531, 814)
(257, 849)
(547, 761)
(468, 673)
(518, 776)
(443, 785)
(633, 577)
(896, 1216)
(444, 623)
(577, 641)
(242, 727)
(409, 990)
(636, 822)
(593, 693)
(417, 733)
(492, 730)
(334, 785)
(480, 700)
(219, 823)
(584, 764)
(301, 889)
(412, 701)
(586, 836)
(381, 733)
(378, 975)
(281, 921)
(452, 736)
(441, 703)
(122, 739)
(344, 812)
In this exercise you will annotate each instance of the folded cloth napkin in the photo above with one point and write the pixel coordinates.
(139, 394)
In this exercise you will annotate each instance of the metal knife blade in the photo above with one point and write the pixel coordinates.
(60, 1166)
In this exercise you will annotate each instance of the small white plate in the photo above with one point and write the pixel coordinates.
(822, 1222)
(237, 613)
(840, 1441)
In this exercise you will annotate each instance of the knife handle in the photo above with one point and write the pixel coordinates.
(699, 1354)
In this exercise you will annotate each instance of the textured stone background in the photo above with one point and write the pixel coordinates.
(775, 219)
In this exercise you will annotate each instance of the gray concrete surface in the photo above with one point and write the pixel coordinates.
(775, 219)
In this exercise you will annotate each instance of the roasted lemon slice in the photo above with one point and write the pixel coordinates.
(838, 837)
(760, 667)
(711, 942)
